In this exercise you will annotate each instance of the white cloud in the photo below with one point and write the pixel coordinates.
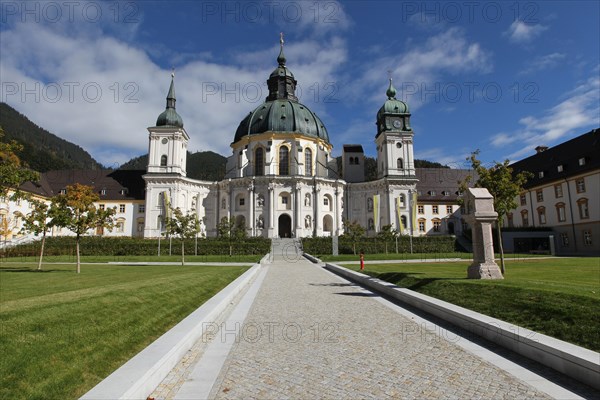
(544, 62)
(212, 97)
(578, 111)
(521, 32)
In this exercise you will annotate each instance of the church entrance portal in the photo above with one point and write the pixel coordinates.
(285, 226)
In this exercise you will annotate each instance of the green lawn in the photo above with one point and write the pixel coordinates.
(559, 297)
(61, 333)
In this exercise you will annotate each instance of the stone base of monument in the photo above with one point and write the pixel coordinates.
(484, 271)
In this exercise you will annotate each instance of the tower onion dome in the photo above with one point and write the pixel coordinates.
(281, 111)
(169, 117)
(392, 106)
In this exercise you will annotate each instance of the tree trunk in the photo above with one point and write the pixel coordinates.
(501, 249)
(42, 251)
(354, 248)
(78, 259)
(182, 253)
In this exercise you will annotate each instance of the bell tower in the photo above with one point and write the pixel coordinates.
(168, 140)
(394, 138)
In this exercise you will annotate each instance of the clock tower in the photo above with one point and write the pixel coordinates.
(394, 138)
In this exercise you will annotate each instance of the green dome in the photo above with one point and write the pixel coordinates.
(393, 106)
(281, 111)
(282, 115)
(169, 117)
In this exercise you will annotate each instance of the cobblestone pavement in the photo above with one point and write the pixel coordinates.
(311, 335)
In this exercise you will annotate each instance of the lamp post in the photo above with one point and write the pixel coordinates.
(410, 214)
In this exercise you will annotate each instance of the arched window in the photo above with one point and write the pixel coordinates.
(584, 212)
(400, 163)
(308, 162)
(284, 161)
(259, 161)
(524, 218)
(351, 160)
(541, 215)
(163, 160)
(356, 161)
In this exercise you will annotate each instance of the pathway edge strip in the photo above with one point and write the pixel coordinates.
(139, 376)
(574, 361)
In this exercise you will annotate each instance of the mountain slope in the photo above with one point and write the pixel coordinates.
(42, 150)
(205, 165)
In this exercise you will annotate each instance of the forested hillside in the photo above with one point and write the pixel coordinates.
(42, 150)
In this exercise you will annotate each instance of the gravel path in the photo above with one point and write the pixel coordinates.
(311, 335)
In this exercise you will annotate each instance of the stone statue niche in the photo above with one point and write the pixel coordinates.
(480, 215)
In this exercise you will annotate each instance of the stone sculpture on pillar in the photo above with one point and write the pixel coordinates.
(480, 215)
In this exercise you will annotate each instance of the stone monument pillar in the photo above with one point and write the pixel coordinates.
(480, 215)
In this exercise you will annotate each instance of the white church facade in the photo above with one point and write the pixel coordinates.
(281, 179)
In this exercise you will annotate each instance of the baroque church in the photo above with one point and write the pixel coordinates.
(281, 178)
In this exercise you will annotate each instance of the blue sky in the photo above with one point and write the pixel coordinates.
(502, 77)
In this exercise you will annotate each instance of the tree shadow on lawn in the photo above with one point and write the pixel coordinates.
(409, 280)
(35, 270)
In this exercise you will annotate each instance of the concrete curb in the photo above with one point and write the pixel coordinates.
(139, 376)
(574, 361)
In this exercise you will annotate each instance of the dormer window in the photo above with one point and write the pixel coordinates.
(123, 192)
(541, 174)
(63, 191)
(560, 168)
(431, 193)
(582, 161)
(103, 192)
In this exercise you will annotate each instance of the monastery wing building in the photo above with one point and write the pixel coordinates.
(281, 179)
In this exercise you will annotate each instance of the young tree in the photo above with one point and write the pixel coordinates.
(12, 172)
(354, 231)
(186, 226)
(226, 229)
(75, 211)
(387, 234)
(505, 186)
(39, 221)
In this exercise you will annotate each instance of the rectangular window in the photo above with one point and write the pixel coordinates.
(421, 209)
(580, 184)
(587, 238)
(564, 240)
(242, 201)
(523, 199)
(421, 226)
(560, 168)
(121, 208)
(436, 225)
(561, 213)
(541, 174)
(511, 223)
(582, 161)
(101, 207)
(140, 227)
(558, 193)
(141, 208)
(434, 209)
(539, 194)
(525, 219)
(284, 200)
(120, 227)
(449, 209)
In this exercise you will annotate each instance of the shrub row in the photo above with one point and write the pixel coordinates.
(105, 246)
(373, 245)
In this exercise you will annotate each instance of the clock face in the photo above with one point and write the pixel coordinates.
(397, 124)
(164, 141)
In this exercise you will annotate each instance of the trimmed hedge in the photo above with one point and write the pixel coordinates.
(106, 246)
(374, 245)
